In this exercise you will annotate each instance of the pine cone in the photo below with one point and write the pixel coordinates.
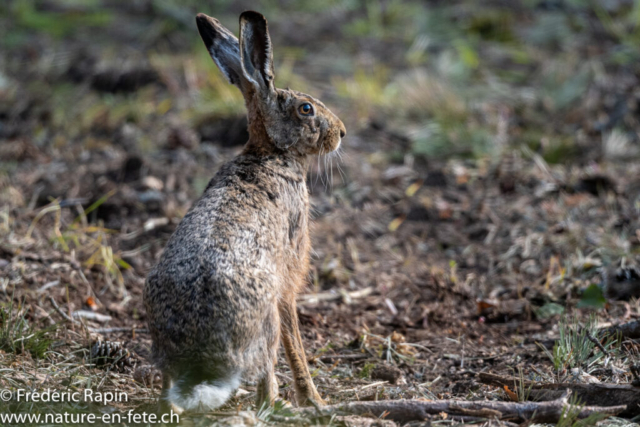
(110, 354)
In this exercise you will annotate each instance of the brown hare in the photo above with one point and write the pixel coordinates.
(223, 294)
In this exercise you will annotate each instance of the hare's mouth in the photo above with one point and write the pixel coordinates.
(329, 144)
(333, 144)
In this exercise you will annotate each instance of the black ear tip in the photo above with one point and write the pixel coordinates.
(252, 16)
(206, 28)
(201, 19)
(206, 21)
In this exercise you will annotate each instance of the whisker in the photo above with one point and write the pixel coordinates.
(318, 168)
(326, 175)
(330, 176)
(342, 175)
(339, 159)
(321, 169)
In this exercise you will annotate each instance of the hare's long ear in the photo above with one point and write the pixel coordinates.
(256, 52)
(223, 47)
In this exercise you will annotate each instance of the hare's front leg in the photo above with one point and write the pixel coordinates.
(306, 392)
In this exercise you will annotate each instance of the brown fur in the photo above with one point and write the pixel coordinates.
(224, 291)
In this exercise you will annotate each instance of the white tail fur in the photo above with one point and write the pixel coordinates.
(205, 396)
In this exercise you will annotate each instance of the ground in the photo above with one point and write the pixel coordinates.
(483, 208)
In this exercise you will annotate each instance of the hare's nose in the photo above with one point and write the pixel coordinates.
(343, 131)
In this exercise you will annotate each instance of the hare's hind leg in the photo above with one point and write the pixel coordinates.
(165, 406)
(267, 388)
(306, 393)
(268, 384)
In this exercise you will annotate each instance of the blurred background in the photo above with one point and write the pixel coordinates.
(466, 79)
(490, 173)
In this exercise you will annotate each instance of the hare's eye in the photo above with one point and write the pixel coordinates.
(305, 109)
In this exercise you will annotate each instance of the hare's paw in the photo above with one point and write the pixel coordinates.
(166, 407)
(314, 400)
(284, 403)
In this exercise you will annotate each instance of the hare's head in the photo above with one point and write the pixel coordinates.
(280, 120)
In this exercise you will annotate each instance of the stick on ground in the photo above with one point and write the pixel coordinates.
(418, 410)
(589, 394)
(66, 317)
(626, 330)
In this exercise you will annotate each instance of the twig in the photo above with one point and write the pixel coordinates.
(484, 413)
(285, 420)
(116, 330)
(90, 315)
(66, 317)
(412, 410)
(331, 296)
(597, 343)
(149, 225)
(600, 394)
(626, 330)
(48, 285)
(60, 312)
(331, 357)
(357, 389)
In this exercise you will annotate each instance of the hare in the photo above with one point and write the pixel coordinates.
(223, 293)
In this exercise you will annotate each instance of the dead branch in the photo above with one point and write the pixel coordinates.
(123, 329)
(412, 410)
(588, 394)
(331, 296)
(64, 315)
(481, 413)
(328, 358)
(354, 421)
(597, 344)
(151, 224)
(626, 330)
(91, 315)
